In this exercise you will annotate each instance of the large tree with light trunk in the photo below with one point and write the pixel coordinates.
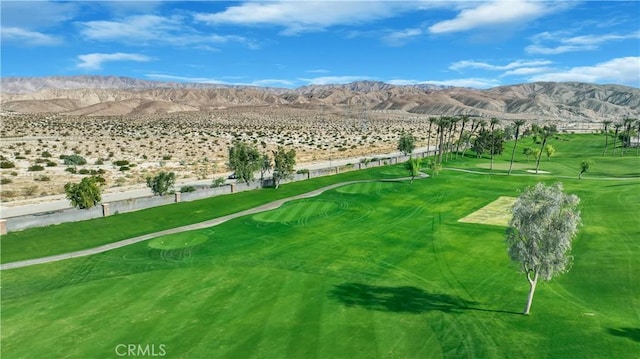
(545, 221)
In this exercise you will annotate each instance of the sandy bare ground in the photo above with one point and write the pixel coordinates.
(193, 145)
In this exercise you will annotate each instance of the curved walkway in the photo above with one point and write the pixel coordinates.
(190, 227)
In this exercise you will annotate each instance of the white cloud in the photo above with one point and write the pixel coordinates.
(302, 16)
(468, 82)
(494, 13)
(318, 71)
(37, 14)
(485, 66)
(526, 71)
(26, 37)
(94, 61)
(148, 29)
(328, 80)
(560, 43)
(272, 83)
(398, 38)
(209, 80)
(203, 80)
(623, 70)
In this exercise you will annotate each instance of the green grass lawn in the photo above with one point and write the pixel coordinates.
(364, 270)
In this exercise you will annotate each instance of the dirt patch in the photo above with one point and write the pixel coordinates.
(496, 213)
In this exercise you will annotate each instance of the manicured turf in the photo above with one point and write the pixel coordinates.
(387, 272)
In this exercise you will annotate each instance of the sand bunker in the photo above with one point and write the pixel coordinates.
(496, 213)
(539, 171)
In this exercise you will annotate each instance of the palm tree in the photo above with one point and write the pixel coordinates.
(442, 124)
(518, 124)
(464, 120)
(545, 132)
(431, 121)
(453, 122)
(494, 122)
(628, 122)
(606, 124)
(617, 126)
(638, 143)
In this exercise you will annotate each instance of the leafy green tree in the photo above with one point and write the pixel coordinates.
(85, 194)
(528, 151)
(413, 166)
(585, 166)
(488, 141)
(549, 150)
(284, 163)
(544, 222)
(162, 183)
(406, 143)
(545, 132)
(517, 124)
(244, 160)
(536, 154)
(265, 165)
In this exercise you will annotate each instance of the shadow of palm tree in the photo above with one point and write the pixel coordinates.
(631, 333)
(397, 299)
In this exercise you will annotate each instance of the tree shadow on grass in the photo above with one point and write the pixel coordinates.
(401, 299)
(631, 333)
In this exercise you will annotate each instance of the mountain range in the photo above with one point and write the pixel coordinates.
(118, 96)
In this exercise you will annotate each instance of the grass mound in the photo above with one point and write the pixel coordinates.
(366, 188)
(178, 241)
(297, 211)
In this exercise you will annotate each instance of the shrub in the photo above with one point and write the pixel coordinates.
(166, 157)
(43, 178)
(45, 154)
(70, 170)
(302, 171)
(7, 164)
(121, 163)
(35, 168)
(73, 160)
(217, 182)
(124, 168)
(29, 191)
(51, 164)
(186, 189)
(99, 161)
(84, 171)
(6, 181)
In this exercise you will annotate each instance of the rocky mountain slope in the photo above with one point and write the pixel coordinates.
(108, 95)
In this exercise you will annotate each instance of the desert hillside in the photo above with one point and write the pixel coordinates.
(117, 96)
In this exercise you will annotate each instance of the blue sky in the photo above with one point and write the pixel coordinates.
(296, 43)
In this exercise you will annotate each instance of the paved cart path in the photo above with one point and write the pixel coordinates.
(190, 227)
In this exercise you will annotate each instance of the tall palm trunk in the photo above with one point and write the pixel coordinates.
(518, 123)
(429, 137)
(464, 122)
(606, 136)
